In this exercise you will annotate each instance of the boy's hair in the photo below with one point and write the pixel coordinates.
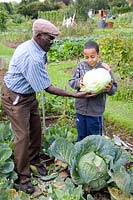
(91, 44)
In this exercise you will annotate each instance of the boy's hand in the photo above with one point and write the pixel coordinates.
(108, 87)
(81, 82)
(106, 66)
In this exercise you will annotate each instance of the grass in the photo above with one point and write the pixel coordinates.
(5, 56)
(6, 52)
(59, 73)
(120, 113)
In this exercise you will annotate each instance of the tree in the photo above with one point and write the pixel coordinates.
(3, 17)
(117, 3)
(32, 9)
(66, 2)
(82, 7)
(8, 7)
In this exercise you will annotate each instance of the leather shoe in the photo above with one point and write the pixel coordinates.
(26, 186)
(41, 169)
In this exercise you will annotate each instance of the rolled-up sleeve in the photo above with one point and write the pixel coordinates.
(74, 82)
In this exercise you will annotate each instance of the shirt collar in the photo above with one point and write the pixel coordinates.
(38, 47)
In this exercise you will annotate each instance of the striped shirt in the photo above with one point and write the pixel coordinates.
(27, 73)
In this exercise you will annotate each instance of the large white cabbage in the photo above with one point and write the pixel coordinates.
(96, 80)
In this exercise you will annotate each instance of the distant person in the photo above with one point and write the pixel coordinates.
(89, 111)
(27, 75)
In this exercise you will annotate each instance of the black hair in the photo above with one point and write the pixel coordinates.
(91, 44)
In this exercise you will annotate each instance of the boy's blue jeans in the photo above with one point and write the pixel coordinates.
(88, 125)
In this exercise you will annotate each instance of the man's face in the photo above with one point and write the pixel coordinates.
(91, 56)
(45, 41)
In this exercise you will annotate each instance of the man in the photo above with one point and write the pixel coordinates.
(27, 75)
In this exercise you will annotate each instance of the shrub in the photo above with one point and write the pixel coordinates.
(118, 52)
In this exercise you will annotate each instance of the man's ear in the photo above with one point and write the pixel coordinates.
(38, 35)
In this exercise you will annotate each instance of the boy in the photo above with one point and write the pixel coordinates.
(89, 111)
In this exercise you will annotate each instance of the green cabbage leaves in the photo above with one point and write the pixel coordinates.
(95, 80)
(95, 161)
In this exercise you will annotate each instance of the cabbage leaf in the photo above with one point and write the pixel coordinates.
(95, 161)
(96, 80)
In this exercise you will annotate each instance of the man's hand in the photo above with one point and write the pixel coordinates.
(84, 95)
(58, 91)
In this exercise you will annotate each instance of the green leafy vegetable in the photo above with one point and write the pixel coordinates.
(95, 80)
(95, 161)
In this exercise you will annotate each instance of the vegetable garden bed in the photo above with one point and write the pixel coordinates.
(58, 183)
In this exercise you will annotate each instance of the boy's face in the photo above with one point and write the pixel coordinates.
(91, 56)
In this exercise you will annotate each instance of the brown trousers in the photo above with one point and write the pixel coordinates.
(25, 120)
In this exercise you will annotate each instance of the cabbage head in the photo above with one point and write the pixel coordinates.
(95, 80)
(93, 170)
(95, 162)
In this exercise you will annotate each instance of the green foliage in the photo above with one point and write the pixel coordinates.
(80, 29)
(82, 7)
(53, 103)
(57, 15)
(6, 52)
(54, 16)
(6, 135)
(125, 93)
(95, 161)
(7, 175)
(120, 113)
(18, 18)
(120, 10)
(119, 56)
(8, 7)
(3, 17)
(124, 20)
(117, 3)
(66, 49)
(18, 30)
(113, 51)
(56, 131)
(117, 51)
(32, 8)
(68, 191)
(12, 194)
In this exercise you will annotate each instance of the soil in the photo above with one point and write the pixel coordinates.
(13, 44)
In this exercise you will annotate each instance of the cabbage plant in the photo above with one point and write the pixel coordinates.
(96, 80)
(7, 173)
(95, 162)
